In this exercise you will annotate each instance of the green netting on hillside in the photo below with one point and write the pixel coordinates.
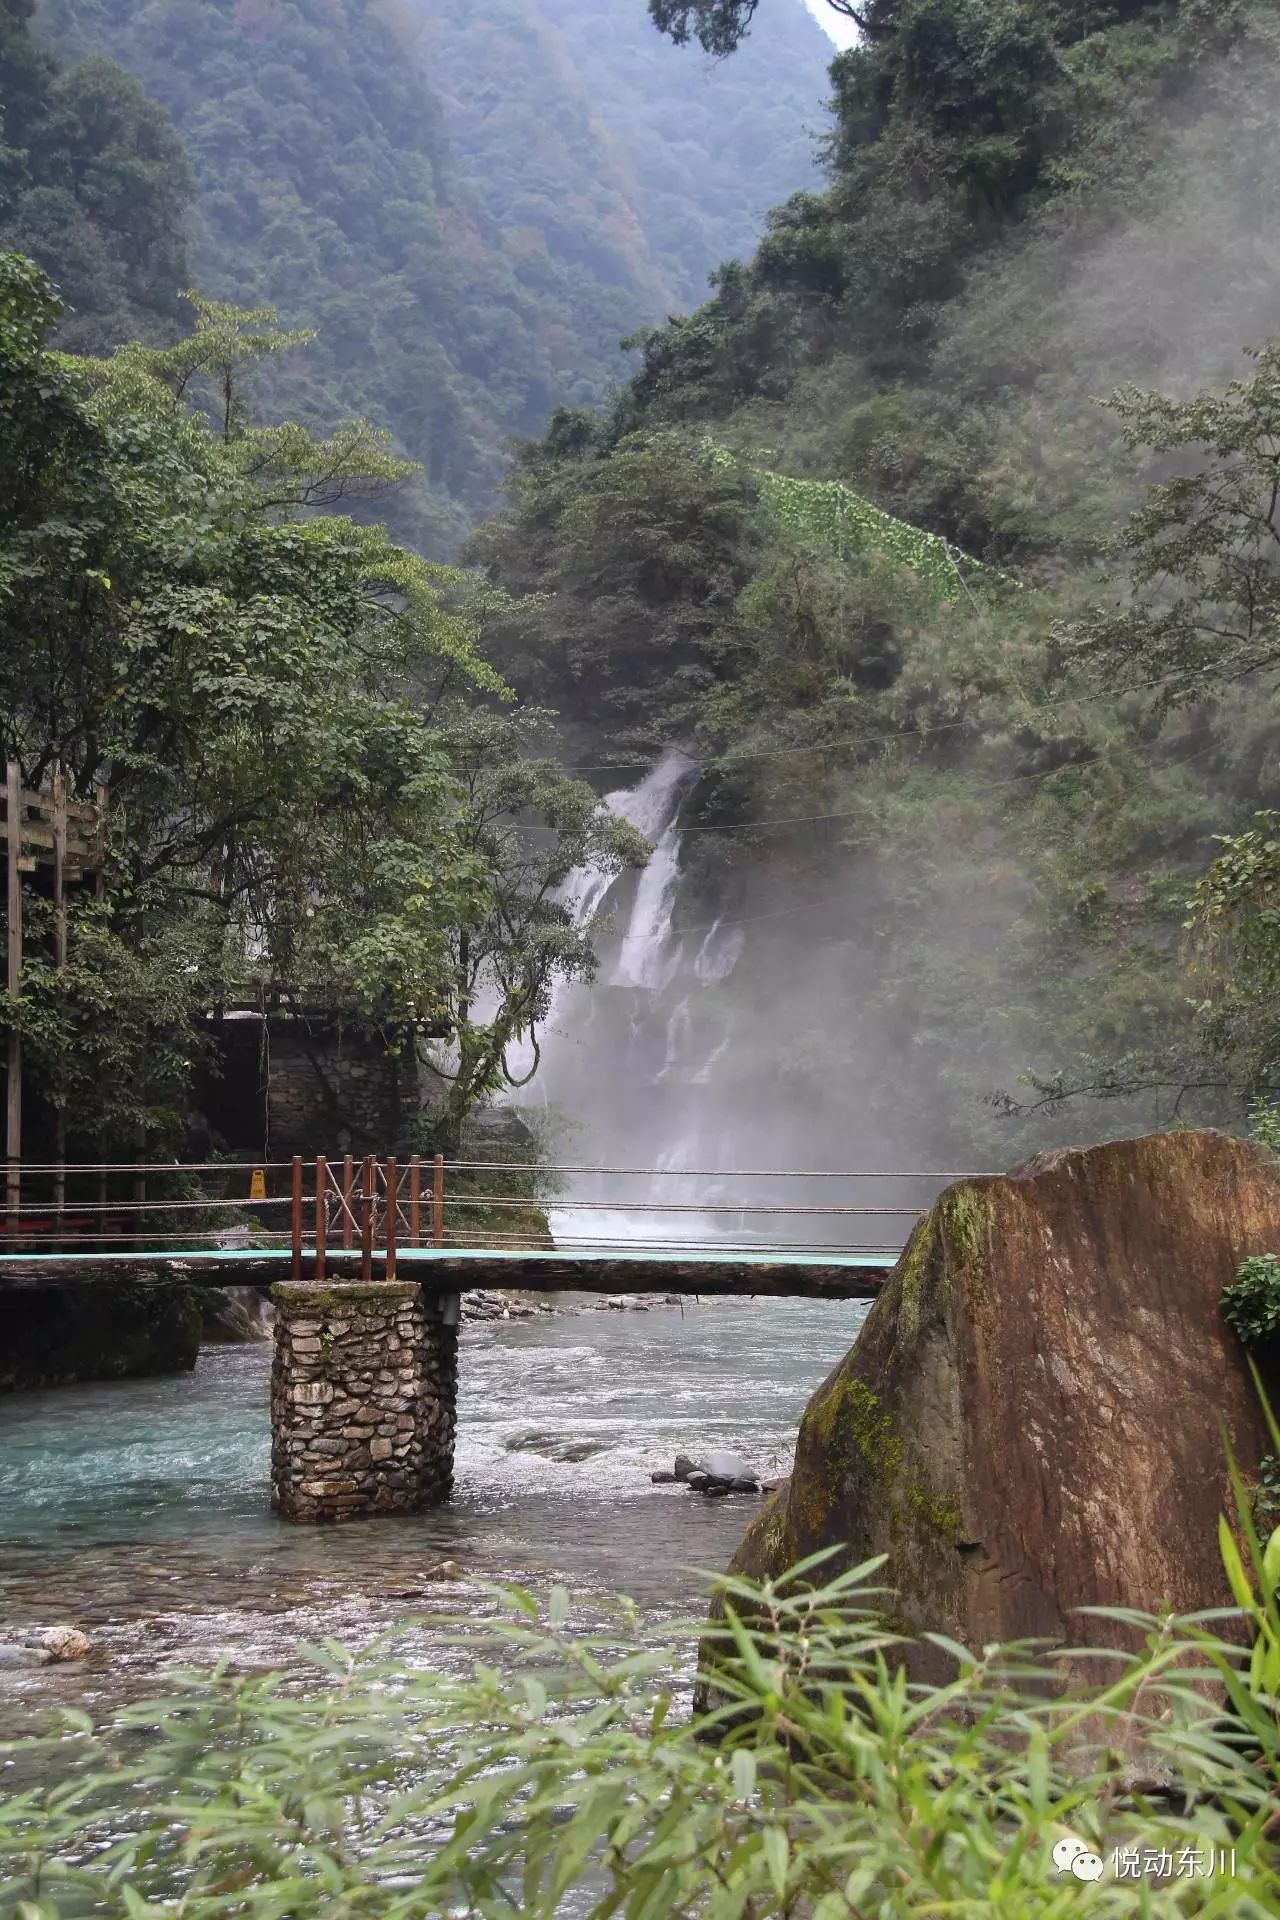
(827, 513)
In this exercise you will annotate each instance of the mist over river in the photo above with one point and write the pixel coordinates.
(140, 1508)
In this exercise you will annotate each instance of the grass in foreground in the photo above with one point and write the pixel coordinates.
(562, 1776)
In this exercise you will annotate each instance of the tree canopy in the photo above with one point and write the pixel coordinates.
(471, 208)
(720, 26)
(277, 700)
(94, 185)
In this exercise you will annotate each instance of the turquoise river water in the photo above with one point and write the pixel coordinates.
(139, 1509)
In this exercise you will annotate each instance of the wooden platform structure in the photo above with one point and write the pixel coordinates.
(68, 837)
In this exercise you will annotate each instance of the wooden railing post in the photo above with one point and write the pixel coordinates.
(296, 1217)
(13, 1070)
(348, 1202)
(60, 963)
(366, 1219)
(437, 1201)
(415, 1200)
(393, 1183)
(322, 1214)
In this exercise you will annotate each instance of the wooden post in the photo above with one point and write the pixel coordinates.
(437, 1201)
(393, 1185)
(322, 1214)
(102, 1203)
(296, 1218)
(60, 962)
(100, 863)
(415, 1200)
(13, 1088)
(366, 1219)
(348, 1201)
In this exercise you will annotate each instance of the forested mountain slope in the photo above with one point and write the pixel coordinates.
(579, 126)
(94, 184)
(959, 829)
(432, 188)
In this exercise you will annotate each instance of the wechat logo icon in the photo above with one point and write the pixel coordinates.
(1071, 1855)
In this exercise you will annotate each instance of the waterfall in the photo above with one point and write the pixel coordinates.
(648, 958)
(651, 808)
(679, 1028)
(718, 955)
(641, 1063)
(662, 1066)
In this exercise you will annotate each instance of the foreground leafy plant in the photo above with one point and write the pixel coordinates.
(1252, 1303)
(572, 1783)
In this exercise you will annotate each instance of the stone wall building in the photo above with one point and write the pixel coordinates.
(309, 1082)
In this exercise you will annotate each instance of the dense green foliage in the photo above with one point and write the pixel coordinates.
(94, 185)
(559, 1773)
(583, 132)
(280, 701)
(471, 208)
(961, 830)
(1251, 1304)
(1207, 541)
(1237, 943)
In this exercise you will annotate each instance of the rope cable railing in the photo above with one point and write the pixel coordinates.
(539, 1171)
(371, 1209)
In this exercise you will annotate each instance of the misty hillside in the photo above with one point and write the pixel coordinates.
(961, 860)
(472, 204)
(673, 157)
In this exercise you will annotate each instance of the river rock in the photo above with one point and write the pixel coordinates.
(15, 1656)
(730, 1471)
(715, 1472)
(1029, 1422)
(229, 1318)
(65, 1643)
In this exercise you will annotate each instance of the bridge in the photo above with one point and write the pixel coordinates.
(365, 1262)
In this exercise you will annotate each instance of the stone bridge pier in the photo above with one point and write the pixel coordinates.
(363, 1398)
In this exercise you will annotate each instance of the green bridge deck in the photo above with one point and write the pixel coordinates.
(769, 1271)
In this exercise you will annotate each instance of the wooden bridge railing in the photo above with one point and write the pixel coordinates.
(329, 1213)
(367, 1202)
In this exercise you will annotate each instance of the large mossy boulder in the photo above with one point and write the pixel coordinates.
(1032, 1418)
(103, 1328)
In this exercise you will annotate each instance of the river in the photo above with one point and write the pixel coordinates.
(139, 1509)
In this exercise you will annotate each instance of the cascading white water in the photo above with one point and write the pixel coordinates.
(718, 955)
(651, 808)
(615, 1056)
(649, 956)
(679, 1027)
(663, 1063)
(646, 1064)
